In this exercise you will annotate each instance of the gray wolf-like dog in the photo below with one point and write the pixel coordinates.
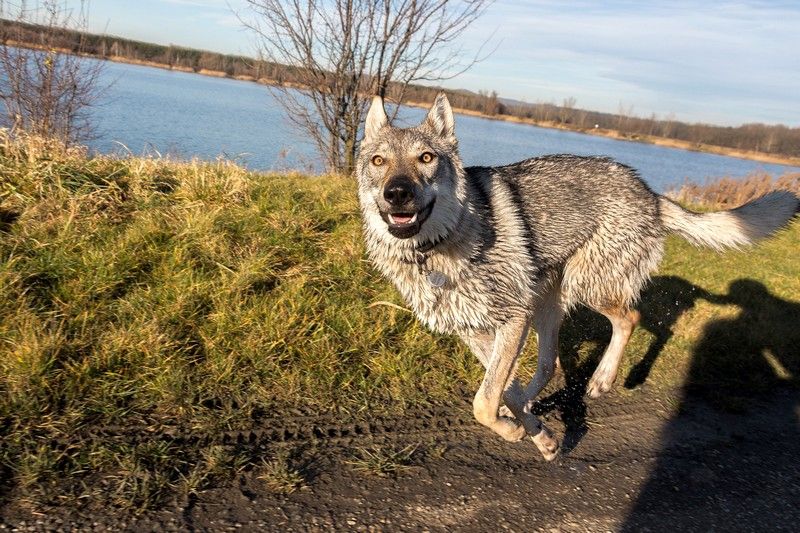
(488, 252)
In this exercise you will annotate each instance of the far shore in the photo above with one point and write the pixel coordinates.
(647, 139)
(601, 132)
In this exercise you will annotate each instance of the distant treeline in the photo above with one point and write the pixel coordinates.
(772, 139)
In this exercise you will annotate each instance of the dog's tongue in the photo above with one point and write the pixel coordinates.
(402, 218)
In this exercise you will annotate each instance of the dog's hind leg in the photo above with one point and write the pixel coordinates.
(547, 322)
(623, 321)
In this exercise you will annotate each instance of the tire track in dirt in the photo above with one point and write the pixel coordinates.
(438, 422)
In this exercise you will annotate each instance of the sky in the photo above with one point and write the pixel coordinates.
(720, 62)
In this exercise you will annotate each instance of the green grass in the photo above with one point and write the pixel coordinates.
(147, 293)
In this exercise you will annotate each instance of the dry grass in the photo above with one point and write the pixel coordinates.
(383, 461)
(730, 192)
(152, 293)
(280, 474)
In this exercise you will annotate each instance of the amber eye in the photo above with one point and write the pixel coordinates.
(377, 160)
(426, 157)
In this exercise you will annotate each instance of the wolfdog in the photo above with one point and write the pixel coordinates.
(486, 252)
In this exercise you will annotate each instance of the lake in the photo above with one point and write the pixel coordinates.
(155, 111)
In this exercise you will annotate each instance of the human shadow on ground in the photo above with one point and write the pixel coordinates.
(729, 458)
(665, 300)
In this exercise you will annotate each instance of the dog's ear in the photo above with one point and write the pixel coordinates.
(440, 117)
(376, 119)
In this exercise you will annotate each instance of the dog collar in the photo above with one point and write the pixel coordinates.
(427, 246)
(422, 253)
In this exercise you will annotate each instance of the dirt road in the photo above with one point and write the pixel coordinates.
(639, 461)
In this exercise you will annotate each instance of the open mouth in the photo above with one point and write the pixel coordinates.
(402, 218)
(405, 224)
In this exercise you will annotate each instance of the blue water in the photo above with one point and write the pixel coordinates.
(155, 111)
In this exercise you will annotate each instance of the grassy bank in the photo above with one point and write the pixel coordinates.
(146, 293)
(152, 294)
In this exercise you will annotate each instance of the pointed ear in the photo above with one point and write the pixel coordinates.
(376, 119)
(440, 117)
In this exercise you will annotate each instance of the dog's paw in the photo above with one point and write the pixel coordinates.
(547, 443)
(505, 412)
(512, 430)
(599, 385)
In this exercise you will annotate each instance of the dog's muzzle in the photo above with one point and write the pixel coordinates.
(406, 224)
(403, 217)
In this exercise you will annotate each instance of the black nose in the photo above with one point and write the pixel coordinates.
(399, 191)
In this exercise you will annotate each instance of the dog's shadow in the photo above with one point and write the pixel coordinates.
(666, 299)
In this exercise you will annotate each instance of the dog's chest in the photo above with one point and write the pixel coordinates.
(452, 296)
(459, 302)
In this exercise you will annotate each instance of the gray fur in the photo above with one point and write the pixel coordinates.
(522, 244)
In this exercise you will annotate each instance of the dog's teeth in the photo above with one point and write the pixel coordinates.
(404, 219)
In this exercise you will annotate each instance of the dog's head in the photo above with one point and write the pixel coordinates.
(410, 180)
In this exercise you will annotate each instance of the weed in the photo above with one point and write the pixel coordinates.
(729, 192)
(383, 462)
(216, 463)
(436, 449)
(280, 475)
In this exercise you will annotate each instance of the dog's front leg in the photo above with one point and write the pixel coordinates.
(498, 353)
(508, 342)
(482, 345)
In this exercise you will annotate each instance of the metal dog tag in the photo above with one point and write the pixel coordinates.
(437, 279)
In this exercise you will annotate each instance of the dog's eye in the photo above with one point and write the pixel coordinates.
(426, 157)
(377, 160)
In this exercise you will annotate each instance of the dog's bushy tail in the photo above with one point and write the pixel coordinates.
(744, 225)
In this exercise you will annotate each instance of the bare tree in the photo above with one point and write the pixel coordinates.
(46, 84)
(668, 125)
(624, 114)
(489, 102)
(344, 51)
(565, 112)
(582, 116)
(653, 122)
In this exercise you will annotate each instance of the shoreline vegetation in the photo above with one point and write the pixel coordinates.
(776, 144)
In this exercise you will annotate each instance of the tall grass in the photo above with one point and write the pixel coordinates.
(727, 192)
(149, 293)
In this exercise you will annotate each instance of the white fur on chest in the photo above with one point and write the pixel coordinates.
(463, 303)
